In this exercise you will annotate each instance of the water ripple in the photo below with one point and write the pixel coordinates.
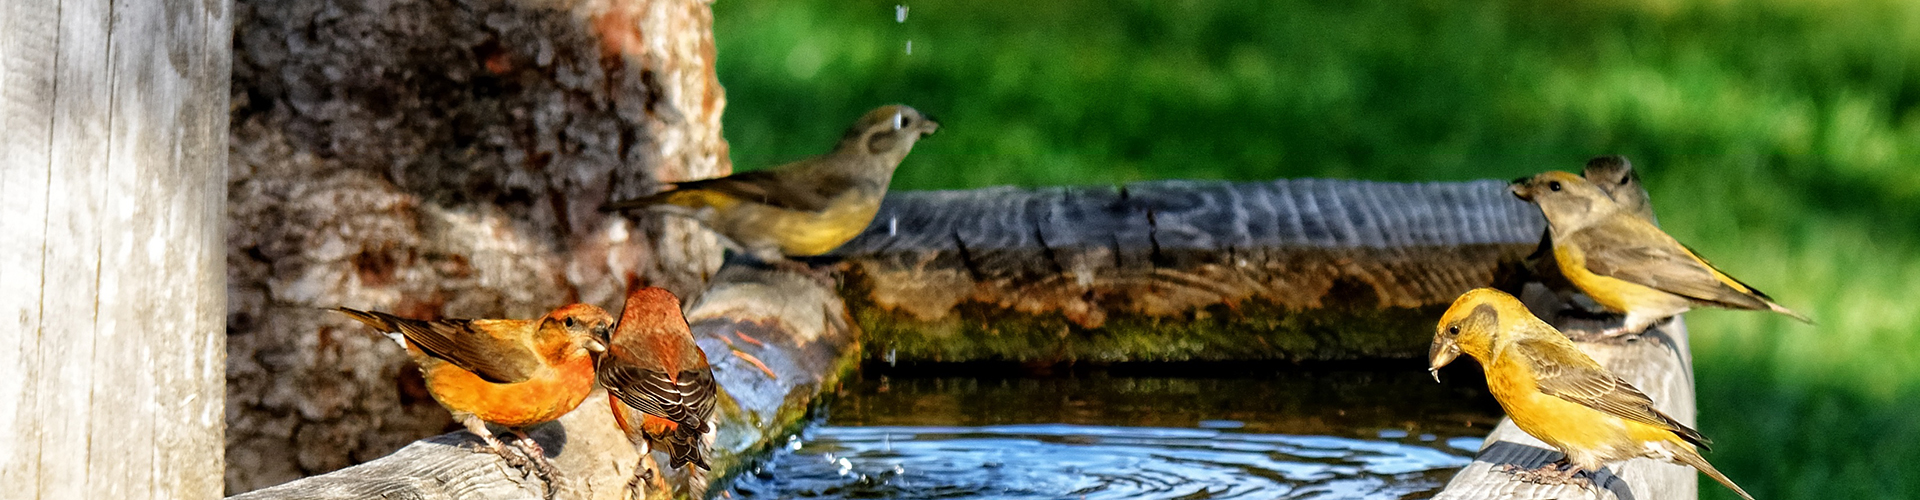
(1050, 461)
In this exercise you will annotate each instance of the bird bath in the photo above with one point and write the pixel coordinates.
(1138, 432)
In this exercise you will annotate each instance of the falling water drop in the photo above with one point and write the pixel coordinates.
(909, 47)
(899, 13)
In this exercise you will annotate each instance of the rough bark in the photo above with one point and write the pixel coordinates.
(113, 165)
(439, 158)
(1178, 270)
(777, 340)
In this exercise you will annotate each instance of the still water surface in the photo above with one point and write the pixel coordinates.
(1214, 433)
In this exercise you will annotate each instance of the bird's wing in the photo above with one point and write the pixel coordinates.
(1589, 385)
(788, 188)
(686, 400)
(1613, 250)
(483, 347)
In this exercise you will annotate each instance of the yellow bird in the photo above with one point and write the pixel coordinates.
(804, 208)
(1558, 394)
(1624, 262)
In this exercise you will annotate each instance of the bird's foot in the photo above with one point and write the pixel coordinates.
(1554, 473)
(642, 476)
(822, 275)
(536, 462)
(1608, 335)
(495, 447)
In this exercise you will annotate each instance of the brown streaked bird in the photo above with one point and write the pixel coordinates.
(515, 373)
(1558, 394)
(662, 387)
(804, 208)
(1614, 175)
(1624, 262)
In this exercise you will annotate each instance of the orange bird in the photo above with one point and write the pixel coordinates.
(663, 390)
(515, 373)
(1558, 394)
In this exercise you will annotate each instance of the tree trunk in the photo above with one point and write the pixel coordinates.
(440, 158)
(112, 116)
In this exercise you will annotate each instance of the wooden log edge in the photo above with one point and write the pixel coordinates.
(778, 340)
(1291, 269)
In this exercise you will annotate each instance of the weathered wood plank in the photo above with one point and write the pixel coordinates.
(1658, 363)
(114, 167)
(751, 317)
(1177, 270)
(27, 39)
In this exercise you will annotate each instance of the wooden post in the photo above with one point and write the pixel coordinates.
(112, 254)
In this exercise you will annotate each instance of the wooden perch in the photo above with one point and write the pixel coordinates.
(1178, 270)
(801, 344)
(1659, 363)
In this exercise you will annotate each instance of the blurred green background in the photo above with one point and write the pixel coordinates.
(1778, 138)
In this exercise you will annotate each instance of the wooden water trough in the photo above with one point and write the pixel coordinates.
(1282, 270)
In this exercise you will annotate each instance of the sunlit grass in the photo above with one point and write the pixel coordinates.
(1780, 138)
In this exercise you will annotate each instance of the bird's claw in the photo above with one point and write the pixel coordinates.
(637, 486)
(1549, 474)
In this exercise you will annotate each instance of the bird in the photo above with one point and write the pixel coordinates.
(662, 387)
(511, 372)
(804, 208)
(1555, 392)
(1614, 175)
(1625, 263)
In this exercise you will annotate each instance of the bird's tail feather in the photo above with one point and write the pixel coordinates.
(1783, 310)
(381, 322)
(1699, 462)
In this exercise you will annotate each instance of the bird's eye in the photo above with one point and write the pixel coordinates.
(569, 322)
(1555, 185)
(1453, 330)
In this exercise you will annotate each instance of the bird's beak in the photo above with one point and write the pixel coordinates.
(1442, 353)
(1520, 190)
(594, 346)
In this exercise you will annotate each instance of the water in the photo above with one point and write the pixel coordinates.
(1214, 433)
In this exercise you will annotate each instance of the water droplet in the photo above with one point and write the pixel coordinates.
(899, 13)
(909, 47)
(893, 228)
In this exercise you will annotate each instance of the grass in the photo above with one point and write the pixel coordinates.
(1779, 138)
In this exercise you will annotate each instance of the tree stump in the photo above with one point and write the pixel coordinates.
(440, 158)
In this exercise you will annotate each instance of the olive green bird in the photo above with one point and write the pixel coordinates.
(1614, 175)
(804, 208)
(1624, 262)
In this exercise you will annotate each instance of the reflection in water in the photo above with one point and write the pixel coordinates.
(1108, 434)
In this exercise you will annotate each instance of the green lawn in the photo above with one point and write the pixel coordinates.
(1779, 138)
